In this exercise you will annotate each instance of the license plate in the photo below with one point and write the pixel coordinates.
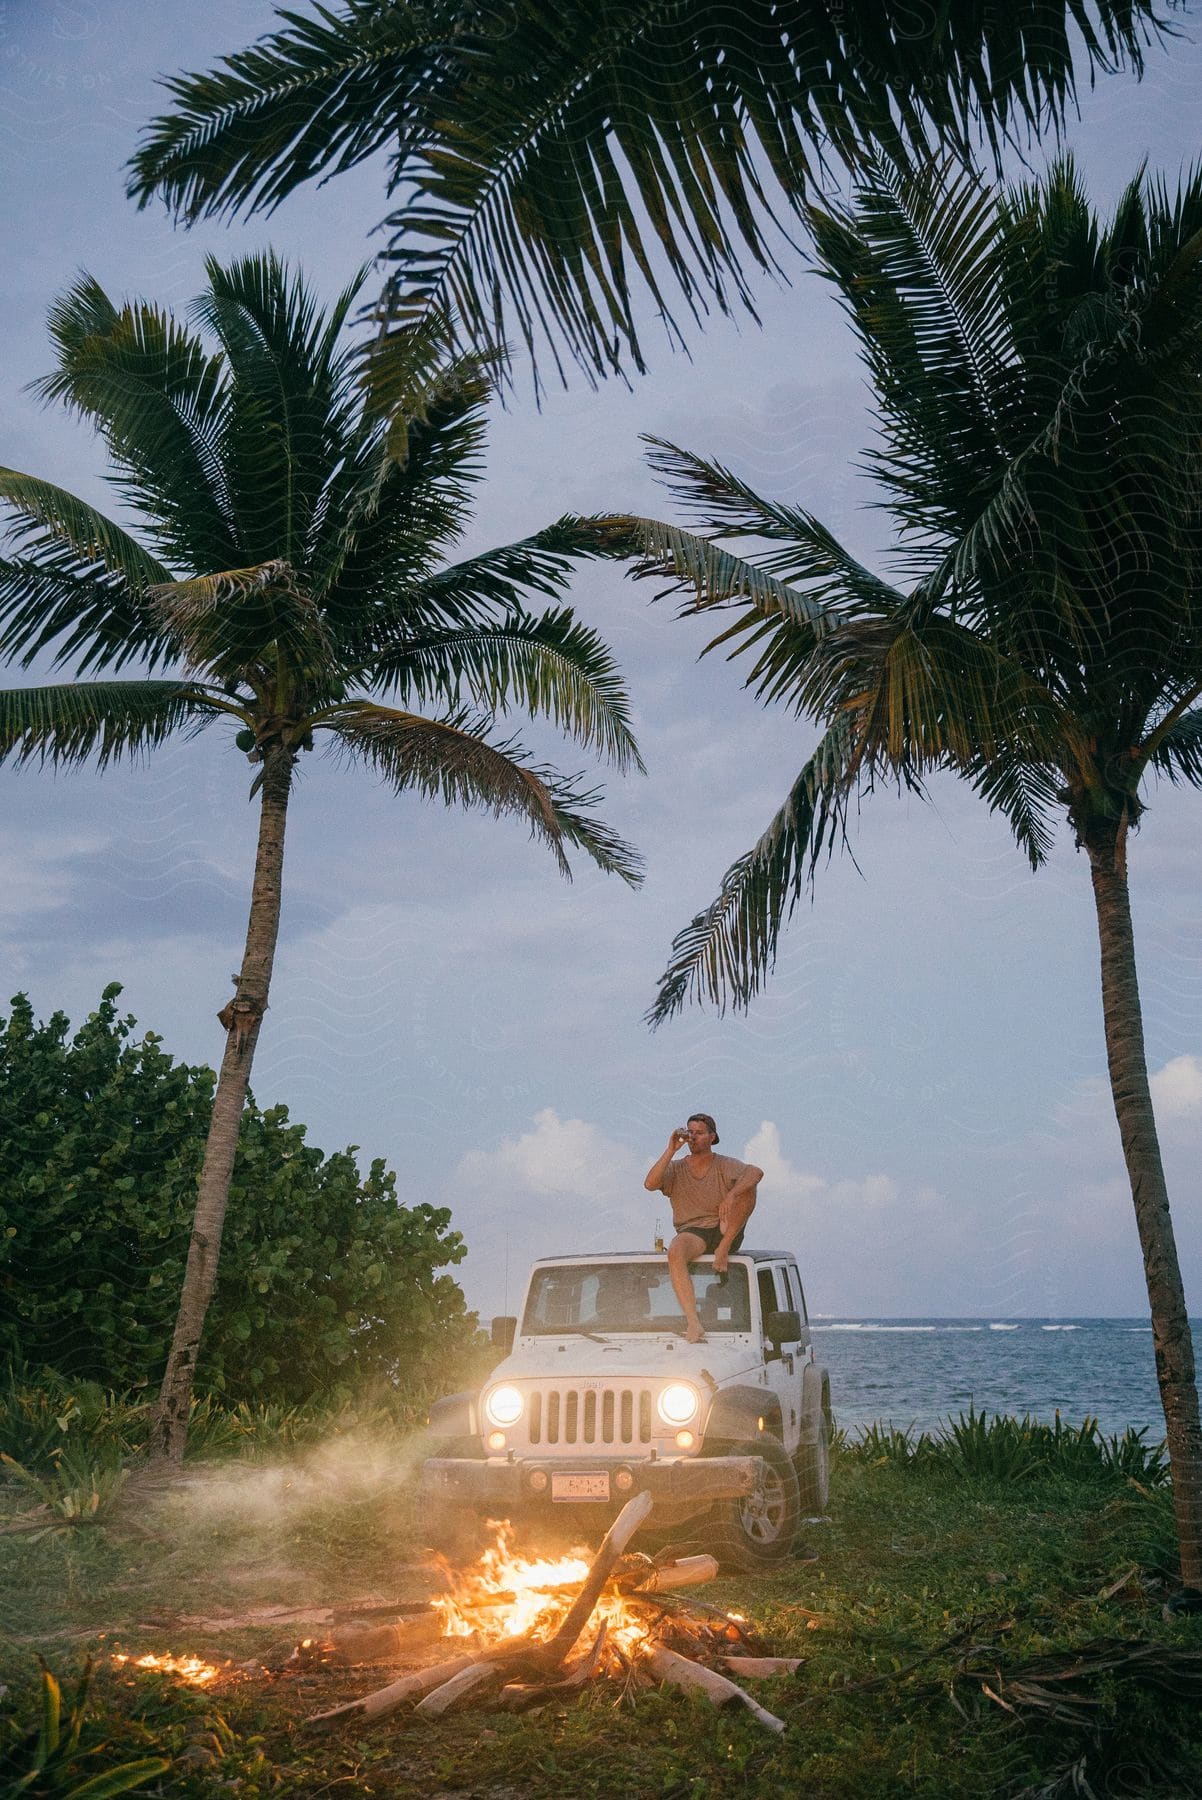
(580, 1487)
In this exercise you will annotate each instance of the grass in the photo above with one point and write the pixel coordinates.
(939, 1581)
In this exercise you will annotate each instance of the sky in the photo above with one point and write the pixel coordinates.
(923, 1081)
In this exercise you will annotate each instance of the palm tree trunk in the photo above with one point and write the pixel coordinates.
(1171, 1338)
(242, 1019)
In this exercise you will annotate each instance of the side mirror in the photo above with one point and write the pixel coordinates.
(783, 1327)
(504, 1330)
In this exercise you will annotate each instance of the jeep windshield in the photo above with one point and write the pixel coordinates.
(604, 1298)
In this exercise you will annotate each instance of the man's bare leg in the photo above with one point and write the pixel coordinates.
(685, 1248)
(740, 1211)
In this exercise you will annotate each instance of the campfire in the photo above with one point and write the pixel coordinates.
(518, 1625)
(190, 1669)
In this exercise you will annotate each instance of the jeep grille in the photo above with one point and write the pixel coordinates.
(575, 1416)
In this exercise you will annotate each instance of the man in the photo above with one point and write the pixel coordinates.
(712, 1199)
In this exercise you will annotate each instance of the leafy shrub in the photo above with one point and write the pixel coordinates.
(327, 1282)
(999, 1447)
(77, 1490)
(49, 1761)
(42, 1416)
(882, 1444)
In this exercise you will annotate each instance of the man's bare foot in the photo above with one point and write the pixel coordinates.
(694, 1335)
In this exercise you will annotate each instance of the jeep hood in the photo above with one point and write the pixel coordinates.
(642, 1356)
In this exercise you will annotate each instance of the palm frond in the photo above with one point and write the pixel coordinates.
(592, 147)
(552, 666)
(388, 514)
(291, 398)
(808, 553)
(493, 583)
(715, 576)
(48, 603)
(410, 372)
(453, 760)
(80, 721)
(315, 98)
(555, 162)
(159, 398)
(725, 953)
(482, 589)
(227, 621)
(50, 515)
(1027, 794)
(925, 690)
(1178, 752)
(917, 256)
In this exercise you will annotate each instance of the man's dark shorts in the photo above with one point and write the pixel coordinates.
(711, 1237)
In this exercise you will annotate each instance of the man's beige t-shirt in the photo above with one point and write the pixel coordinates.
(695, 1201)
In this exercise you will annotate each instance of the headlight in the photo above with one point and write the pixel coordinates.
(504, 1406)
(677, 1403)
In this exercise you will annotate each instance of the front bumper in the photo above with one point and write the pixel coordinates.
(499, 1484)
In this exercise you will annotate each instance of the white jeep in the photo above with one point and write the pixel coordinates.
(600, 1396)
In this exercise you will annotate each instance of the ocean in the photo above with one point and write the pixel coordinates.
(918, 1372)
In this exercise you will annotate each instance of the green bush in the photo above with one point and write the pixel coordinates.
(327, 1283)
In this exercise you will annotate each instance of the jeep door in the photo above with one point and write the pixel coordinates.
(783, 1364)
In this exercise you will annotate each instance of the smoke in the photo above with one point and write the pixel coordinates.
(336, 1520)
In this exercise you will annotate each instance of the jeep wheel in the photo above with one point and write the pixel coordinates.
(814, 1472)
(756, 1531)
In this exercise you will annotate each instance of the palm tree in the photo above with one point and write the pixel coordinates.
(289, 579)
(1038, 380)
(550, 161)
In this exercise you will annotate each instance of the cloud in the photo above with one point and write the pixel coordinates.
(785, 1185)
(780, 1177)
(1177, 1090)
(1084, 1118)
(560, 1158)
(561, 1187)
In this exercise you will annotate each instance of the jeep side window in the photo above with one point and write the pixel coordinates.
(768, 1299)
(799, 1300)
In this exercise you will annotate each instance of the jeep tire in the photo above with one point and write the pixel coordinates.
(813, 1463)
(756, 1530)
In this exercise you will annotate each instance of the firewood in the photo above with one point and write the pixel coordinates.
(384, 1643)
(613, 1543)
(477, 1677)
(756, 1666)
(685, 1571)
(519, 1696)
(680, 1671)
(386, 1699)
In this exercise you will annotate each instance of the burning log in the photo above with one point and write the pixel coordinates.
(680, 1671)
(520, 1696)
(613, 1543)
(658, 1578)
(384, 1643)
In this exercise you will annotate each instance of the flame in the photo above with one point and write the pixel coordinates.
(192, 1669)
(507, 1595)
